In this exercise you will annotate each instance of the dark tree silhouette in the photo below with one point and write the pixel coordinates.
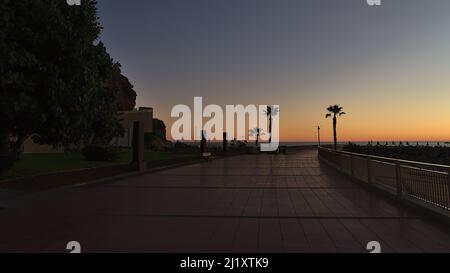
(159, 128)
(334, 111)
(271, 112)
(122, 90)
(156, 140)
(54, 75)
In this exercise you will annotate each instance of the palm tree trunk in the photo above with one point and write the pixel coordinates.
(270, 128)
(257, 138)
(334, 132)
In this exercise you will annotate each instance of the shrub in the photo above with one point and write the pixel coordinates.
(8, 156)
(101, 153)
(154, 142)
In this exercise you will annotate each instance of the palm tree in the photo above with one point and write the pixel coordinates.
(256, 132)
(271, 112)
(334, 111)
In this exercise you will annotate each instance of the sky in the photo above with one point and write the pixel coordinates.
(388, 66)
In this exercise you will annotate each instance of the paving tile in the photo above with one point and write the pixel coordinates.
(250, 203)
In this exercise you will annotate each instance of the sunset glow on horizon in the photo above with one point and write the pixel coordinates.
(388, 66)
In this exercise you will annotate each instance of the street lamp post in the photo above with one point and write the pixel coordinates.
(318, 135)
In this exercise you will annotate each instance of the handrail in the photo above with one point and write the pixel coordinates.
(388, 159)
(424, 182)
(424, 170)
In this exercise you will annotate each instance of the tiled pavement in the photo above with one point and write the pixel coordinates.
(252, 203)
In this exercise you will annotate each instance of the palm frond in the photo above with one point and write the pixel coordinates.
(255, 131)
(272, 110)
(335, 110)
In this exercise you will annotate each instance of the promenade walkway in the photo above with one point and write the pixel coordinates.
(250, 203)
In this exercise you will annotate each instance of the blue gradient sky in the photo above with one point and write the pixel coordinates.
(388, 66)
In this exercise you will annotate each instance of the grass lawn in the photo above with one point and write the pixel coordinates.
(34, 164)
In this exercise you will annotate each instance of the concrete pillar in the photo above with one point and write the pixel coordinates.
(138, 163)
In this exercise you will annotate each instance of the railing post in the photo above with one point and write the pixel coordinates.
(369, 171)
(448, 188)
(398, 179)
(352, 173)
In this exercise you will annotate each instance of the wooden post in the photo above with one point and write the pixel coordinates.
(225, 142)
(202, 143)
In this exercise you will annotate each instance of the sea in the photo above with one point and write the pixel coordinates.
(311, 143)
(389, 143)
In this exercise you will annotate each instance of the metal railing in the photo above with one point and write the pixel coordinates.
(427, 184)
